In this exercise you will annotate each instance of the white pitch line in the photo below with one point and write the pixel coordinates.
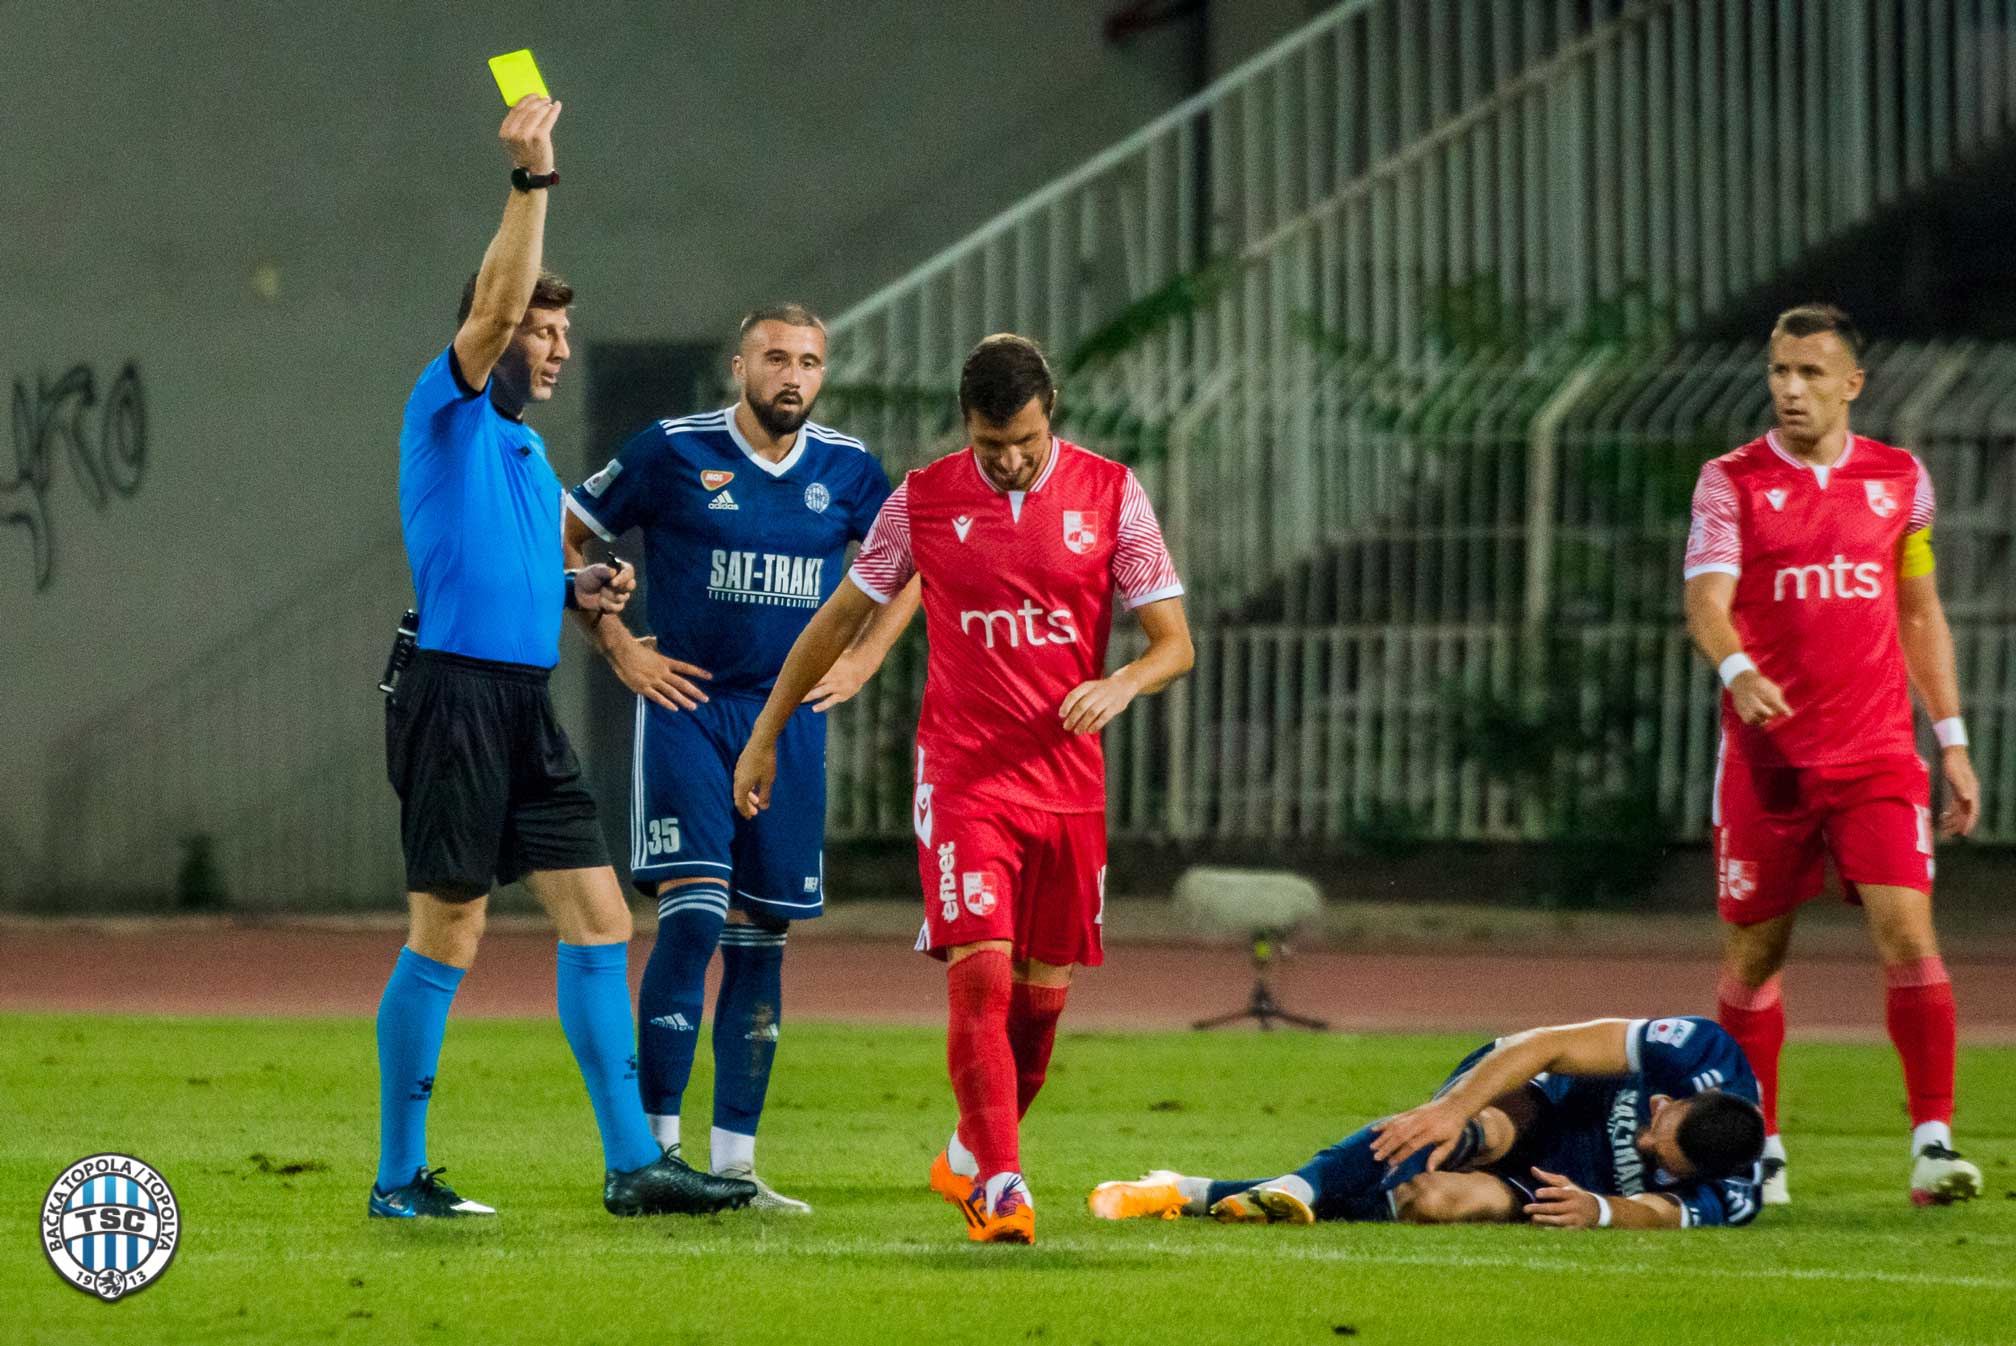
(1289, 1252)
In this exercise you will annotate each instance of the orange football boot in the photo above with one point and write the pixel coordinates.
(948, 1184)
(1153, 1196)
(1011, 1220)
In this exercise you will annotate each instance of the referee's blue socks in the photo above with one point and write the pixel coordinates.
(670, 997)
(412, 1017)
(746, 1018)
(594, 994)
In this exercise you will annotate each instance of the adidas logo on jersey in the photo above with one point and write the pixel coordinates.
(725, 500)
(678, 1023)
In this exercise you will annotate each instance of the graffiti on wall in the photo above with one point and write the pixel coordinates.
(104, 442)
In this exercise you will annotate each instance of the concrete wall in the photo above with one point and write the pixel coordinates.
(1239, 29)
(268, 210)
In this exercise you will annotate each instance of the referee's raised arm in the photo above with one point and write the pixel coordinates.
(511, 263)
(489, 788)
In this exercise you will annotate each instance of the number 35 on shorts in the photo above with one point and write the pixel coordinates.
(661, 836)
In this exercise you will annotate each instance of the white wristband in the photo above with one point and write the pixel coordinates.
(1735, 664)
(1602, 1212)
(1952, 732)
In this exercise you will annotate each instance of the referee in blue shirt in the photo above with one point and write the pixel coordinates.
(489, 788)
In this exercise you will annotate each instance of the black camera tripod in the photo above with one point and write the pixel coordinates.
(1262, 1006)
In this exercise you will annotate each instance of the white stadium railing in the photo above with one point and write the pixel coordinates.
(1404, 176)
(1334, 705)
(1354, 313)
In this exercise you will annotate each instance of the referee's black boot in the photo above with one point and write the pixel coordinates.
(672, 1187)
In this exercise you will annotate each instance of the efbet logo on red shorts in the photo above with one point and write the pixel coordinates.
(979, 888)
(948, 885)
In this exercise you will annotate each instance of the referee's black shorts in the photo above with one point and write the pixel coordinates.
(489, 788)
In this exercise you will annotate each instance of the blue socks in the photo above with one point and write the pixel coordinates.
(1225, 1187)
(746, 1018)
(594, 995)
(412, 1017)
(670, 997)
(1350, 1184)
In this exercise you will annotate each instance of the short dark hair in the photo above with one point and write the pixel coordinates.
(796, 315)
(550, 292)
(1809, 319)
(1000, 376)
(1721, 1135)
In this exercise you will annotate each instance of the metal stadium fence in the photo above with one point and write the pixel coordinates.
(1335, 702)
(1338, 691)
(1378, 319)
(1401, 177)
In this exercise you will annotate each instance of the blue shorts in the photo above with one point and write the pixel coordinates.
(1567, 1150)
(683, 824)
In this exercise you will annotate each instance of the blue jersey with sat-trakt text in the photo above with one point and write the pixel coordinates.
(739, 551)
(1589, 1135)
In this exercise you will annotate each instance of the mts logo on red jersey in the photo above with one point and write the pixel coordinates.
(1832, 580)
(1018, 627)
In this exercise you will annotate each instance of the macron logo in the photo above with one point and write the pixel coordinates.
(1829, 581)
(1020, 625)
(962, 526)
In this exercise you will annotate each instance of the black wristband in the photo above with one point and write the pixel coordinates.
(1467, 1145)
(525, 180)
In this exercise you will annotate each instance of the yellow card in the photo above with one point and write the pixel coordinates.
(517, 75)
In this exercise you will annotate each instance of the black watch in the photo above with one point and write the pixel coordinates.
(525, 180)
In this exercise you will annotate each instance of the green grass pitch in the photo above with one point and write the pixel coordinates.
(267, 1130)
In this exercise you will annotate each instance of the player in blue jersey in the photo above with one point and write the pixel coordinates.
(1632, 1123)
(747, 513)
(489, 789)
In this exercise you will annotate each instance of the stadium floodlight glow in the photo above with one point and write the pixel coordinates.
(1265, 906)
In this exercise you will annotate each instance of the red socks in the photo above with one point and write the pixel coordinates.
(981, 1061)
(1032, 1031)
(1755, 1017)
(1918, 1008)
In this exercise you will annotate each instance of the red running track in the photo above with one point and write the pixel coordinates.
(216, 967)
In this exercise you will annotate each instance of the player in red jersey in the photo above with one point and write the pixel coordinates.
(1021, 540)
(1810, 588)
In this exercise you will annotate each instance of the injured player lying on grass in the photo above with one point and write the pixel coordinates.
(1631, 1123)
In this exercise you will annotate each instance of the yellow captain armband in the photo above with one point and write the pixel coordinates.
(1914, 557)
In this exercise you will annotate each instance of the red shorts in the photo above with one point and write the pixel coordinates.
(1775, 826)
(1006, 871)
